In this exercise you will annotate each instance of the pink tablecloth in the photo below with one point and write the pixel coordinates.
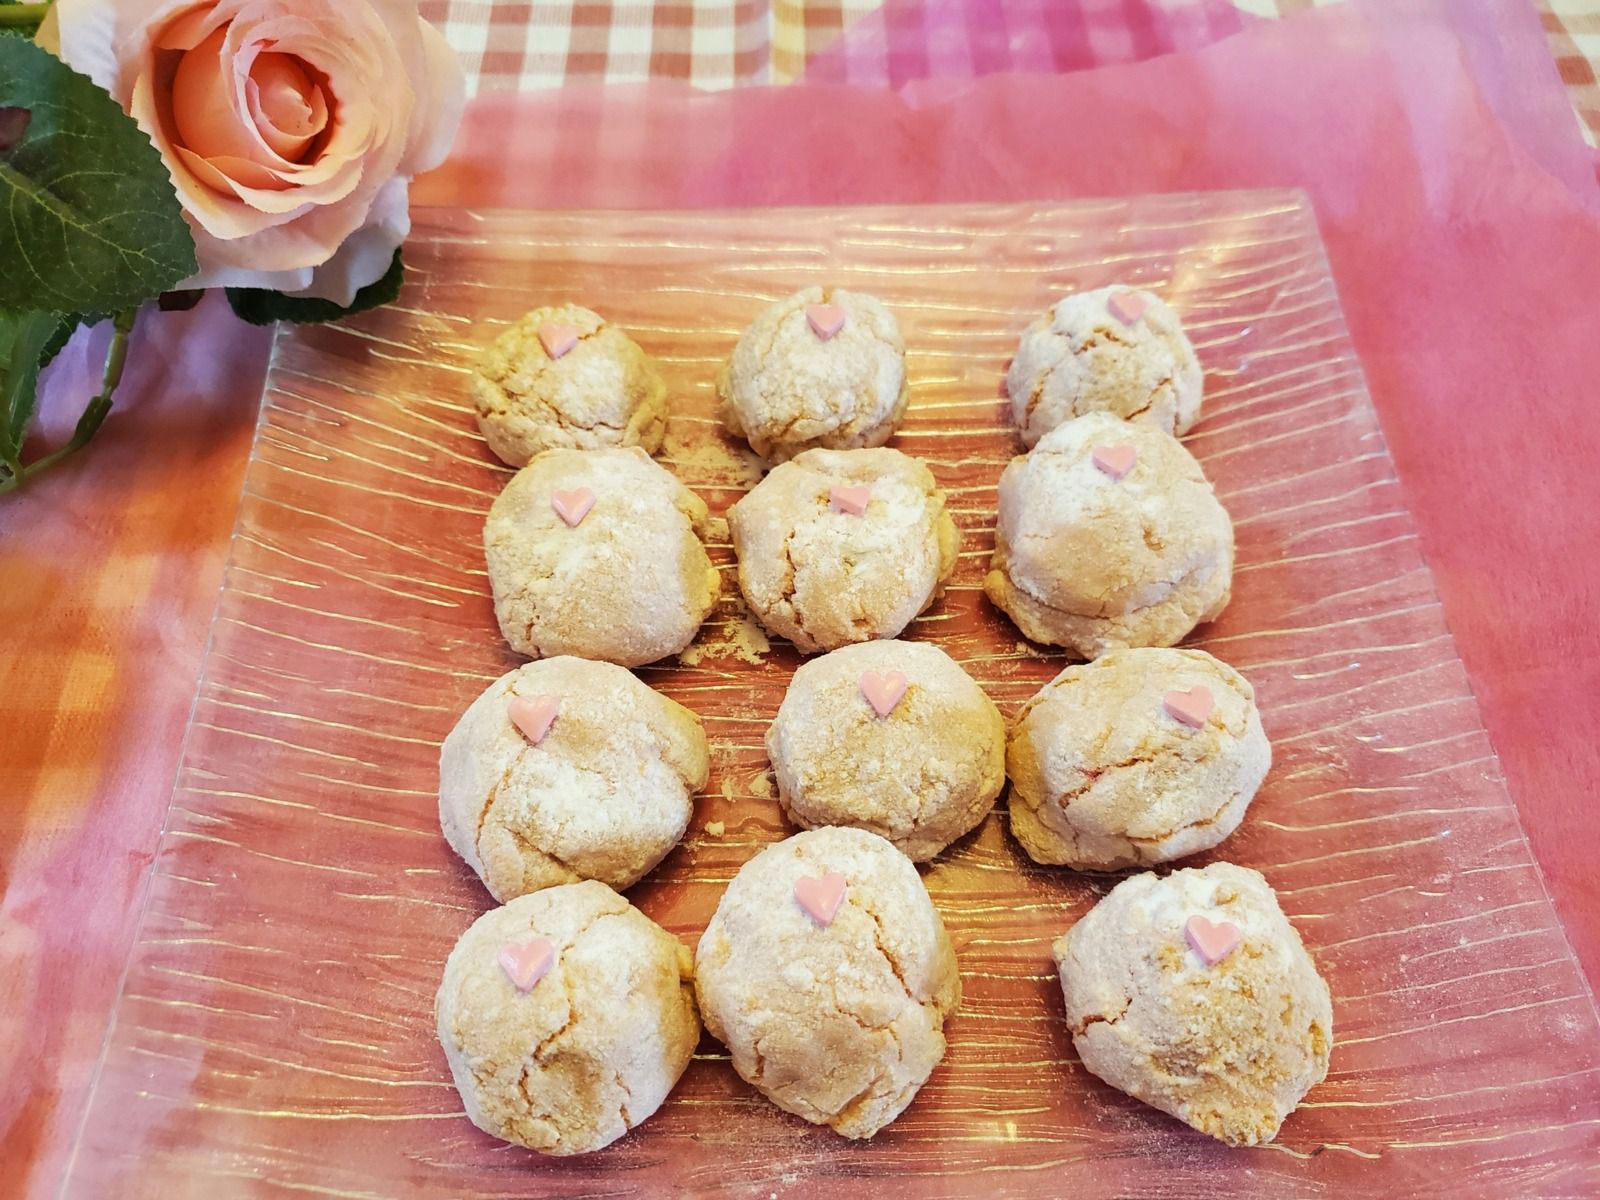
(1460, 216)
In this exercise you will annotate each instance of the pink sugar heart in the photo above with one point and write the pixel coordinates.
(1191, 707)
(883, 690)
(572, 507)
(1115, 461)
(557, 338)
(525, 963)
(852, 500)
(1126, 307)
(533, 715)
(1212, 942)
(820, 897)
(825, 319)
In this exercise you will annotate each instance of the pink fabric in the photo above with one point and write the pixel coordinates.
(910, 40)
(1460, 221)
(111, 564)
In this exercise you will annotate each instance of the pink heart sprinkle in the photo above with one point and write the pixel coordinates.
(557, 338)
(533, 715)
(573, 506)
(1126, 307)
(852, 500)
(1212, 942)
(883, 690)
(525, 963)
(825, 319)
(820, 897)
(1115, 461)
(1191, 707)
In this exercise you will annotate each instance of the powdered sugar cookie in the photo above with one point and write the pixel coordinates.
(1193, 993)
(568, 769)
(566, 1016)
(888, 736)
(564, 376)
(1116, 350)
(1139, 757)
(597, 553)
(827, 973)
(823, 367)
(842, 546)
(1109, 535)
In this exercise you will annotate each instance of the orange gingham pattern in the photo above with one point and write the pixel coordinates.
(518, 45)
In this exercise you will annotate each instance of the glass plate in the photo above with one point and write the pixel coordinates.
(274, 1034)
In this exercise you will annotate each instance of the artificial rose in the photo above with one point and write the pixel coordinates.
(292, 128)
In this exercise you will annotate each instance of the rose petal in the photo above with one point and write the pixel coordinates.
(202, 103)
(212, 276)
(286, 106)
(366, 253)
(365, 92)
(441, 98)
(229, 176)
(187, 30)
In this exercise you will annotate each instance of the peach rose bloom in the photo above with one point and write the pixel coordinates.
(292, 128)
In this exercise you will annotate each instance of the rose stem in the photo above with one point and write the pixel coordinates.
(95, 413)
(24, 16)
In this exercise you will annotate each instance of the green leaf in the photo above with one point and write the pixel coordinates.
(28, 341)
(261, 307)
(88, 215)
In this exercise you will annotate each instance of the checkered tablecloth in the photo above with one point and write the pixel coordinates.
(515, 45)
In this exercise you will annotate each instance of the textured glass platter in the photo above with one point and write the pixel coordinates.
(274, 1035)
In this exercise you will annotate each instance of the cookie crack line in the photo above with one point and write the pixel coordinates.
(549, 1040)
(525, 843)
(791, 586)
(877, 940)
(566, 985)
(622, 1108)
(535, 1115)
(1200, 824)
(494, 793)
(1102, 1019)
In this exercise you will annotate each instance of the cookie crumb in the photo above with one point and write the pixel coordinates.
(716, 828)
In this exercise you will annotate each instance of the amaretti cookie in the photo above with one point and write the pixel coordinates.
(842, 546)
(566, 1016)
(1116, 350)
(892, 737)
(1193, 993)
(568, 769)
(564, 376)
(827, 973)
(1109, 535)
(824, 367)
(598, 553)
(1139, 757)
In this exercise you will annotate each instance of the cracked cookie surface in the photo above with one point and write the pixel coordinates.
(605, 391)
(784, 389)
(1092, 563)
(1077, 357)
(630, 583)
(605, 794)
(824, 578)
(921, 776)
(1230, 1049)
(1103, 777)
(839, 1024)
(593, 1048)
